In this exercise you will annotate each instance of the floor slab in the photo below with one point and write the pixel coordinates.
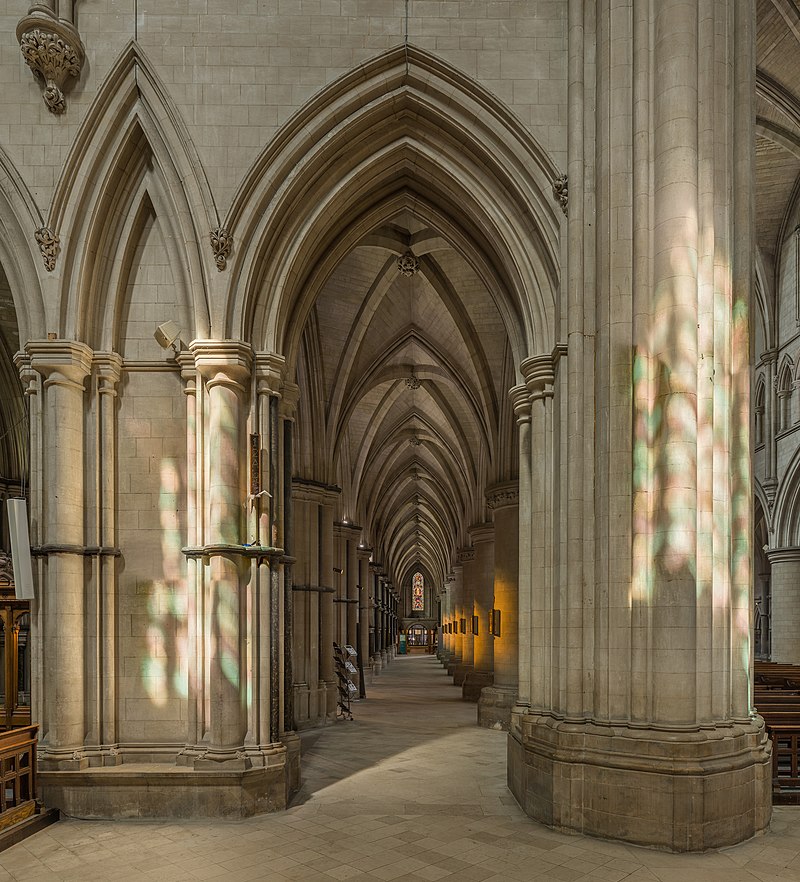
(411, 789)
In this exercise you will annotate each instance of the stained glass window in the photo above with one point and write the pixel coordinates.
(418, 593)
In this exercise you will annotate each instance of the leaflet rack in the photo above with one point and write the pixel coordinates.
(344, 670)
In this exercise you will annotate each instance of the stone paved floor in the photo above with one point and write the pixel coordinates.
(411, 790)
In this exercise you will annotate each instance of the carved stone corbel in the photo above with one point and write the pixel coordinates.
(52, 49)
(561, 192)
(221, 245)
(50, 245)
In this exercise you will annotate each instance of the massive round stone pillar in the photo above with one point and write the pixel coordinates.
(785, 605)
(496, 701)
(482, 673)
(639, 722)
(64, 366)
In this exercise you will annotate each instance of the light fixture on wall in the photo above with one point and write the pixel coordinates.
(168, 335)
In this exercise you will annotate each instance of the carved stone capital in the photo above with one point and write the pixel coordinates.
(539, 374)
(561, 192)
(270, 369)
(502, 495)
(221, 245)
(50, 246)
(223, 362)
(108, 367)
(61, 362)
(53, 50)
(465, 555)
(521, 402)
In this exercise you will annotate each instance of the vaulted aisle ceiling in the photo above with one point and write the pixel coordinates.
(404, 374)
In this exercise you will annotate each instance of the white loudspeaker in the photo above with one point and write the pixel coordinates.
(20, 548)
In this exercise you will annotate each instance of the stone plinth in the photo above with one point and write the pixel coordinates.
(685, 791)
(155, 790)
(494, 707)
(474, 682)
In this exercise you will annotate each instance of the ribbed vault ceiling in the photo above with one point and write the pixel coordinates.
(778, 117)
(405, 377)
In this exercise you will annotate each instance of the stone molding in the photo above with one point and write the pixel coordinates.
(790, 553)
(465, 555)
(222, 246)
(49, 246)
(479, 533)
(502, 495)
(52, 49)
(521, 403)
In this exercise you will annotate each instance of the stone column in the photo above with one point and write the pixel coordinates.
(640, 587)
(327, 675)
(785, 613)
(352, 579)
(482, 674)
(364, 594)
(374, 652)
(496, 701)
(225, 367)
(64, 366)
(309, 694)
(466, 558)
(107, 367)
(457, 644)
(770, 360)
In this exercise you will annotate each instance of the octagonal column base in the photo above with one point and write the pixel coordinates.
(677, 790)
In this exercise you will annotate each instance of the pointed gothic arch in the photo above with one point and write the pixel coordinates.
(132, 140)
(404, 127)
(19, 254)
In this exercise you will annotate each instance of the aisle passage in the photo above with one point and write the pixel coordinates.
(410, 790)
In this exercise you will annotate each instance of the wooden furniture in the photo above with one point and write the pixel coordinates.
(777, 699)
(15, 658)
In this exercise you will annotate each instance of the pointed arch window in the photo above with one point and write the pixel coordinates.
(418, 593)
(785, 387)
(758, 411)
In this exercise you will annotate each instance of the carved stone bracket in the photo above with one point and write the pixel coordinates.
(221, 245)
(561, 192)
(52, 49)
(50, 245)
(408, 264)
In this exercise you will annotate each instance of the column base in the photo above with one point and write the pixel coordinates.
(460, 672)
(310, 703)
(678, 790)
(474, 683)
(158, 790)
(494, 707)
(452, 663)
